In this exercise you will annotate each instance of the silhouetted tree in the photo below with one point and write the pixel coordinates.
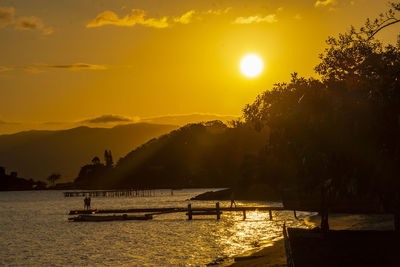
(108, 158)
(344, 127)
(53, 178)
(2, 171)
(96, 161)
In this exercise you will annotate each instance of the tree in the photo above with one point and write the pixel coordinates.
(53, 178)
(108, 158)
(96, 161)
(386, 19)
(344, 126)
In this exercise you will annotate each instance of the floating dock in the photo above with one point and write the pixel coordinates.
(190, 211)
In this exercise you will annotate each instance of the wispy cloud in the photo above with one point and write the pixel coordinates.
(139, 17)
(108, 119)
(185, 18)
(2, 68)
(74, 67)
(298, 17)
(8, 123)
(218, 11)
(7, 17)
(38, 68)
(256, 19)
(32, 23)
(322, 3)
(32, 69)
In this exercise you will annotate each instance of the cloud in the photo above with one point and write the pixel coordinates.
(32, 69)
(298, 17)
(6, 16)
(322, 3)
(185, 18)
(32, 23)
(2, 68)
(218, 11)
(137, 16)
(109, 119)
(37, 68)
(8, 123)
(22, 23)
(76, 66)
(28, 23)
(256, 19)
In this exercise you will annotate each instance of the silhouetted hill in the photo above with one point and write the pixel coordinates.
(197, 155)
(36, 154)
(183, 119)
(11, 182)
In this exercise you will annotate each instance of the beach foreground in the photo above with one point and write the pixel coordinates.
(269, 256)
(275, 255)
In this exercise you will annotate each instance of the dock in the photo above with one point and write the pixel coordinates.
(112, 193)
(190, 211)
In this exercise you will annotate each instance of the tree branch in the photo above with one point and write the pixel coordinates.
(381, 28)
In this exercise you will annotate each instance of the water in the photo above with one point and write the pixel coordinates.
(35, 231)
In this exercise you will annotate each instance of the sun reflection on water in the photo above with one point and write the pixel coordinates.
(168, 239)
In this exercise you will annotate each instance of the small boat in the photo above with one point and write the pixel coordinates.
(124, 217)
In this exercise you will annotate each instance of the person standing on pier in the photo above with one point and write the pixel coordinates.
(85, 203)
(88, 203)
(233, 199)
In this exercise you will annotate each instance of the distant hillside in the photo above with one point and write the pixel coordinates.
(183, 119)
(196, 155)
(36, 154)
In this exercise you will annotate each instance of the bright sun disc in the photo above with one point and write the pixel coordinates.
(251, 65)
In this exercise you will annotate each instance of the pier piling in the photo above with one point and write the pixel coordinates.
(218, 211)
(190, 211)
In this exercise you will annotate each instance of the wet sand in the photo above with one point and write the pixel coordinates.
(269, 256)
(276, 256)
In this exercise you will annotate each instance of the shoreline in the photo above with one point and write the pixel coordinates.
(271, 255)
(275, 254)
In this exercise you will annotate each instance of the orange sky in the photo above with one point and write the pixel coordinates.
(66, 61)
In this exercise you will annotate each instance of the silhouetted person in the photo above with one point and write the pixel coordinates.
(88, 203)
(85, 203)
(233, 199)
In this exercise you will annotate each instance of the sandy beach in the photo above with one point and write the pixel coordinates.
(275, 255)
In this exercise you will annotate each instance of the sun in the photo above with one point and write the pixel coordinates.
(251, 65)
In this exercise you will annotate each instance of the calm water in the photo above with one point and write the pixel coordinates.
(35, 231)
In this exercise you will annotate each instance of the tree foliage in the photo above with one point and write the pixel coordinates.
(344, 127)
(53, 178)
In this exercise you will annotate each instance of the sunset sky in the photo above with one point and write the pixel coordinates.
(72, 60)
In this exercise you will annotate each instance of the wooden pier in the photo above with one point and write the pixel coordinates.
(190, 211)
(112, 193)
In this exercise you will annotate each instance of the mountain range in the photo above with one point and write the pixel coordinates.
(36, 154)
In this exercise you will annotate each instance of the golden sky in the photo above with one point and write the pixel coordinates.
(64, 61)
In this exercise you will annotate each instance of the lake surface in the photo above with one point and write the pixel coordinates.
(35, 231)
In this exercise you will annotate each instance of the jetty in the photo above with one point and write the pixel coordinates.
(189, 211)
(124, 217)
(112, 193)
